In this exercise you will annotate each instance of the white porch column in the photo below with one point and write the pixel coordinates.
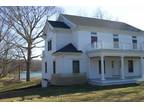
(142, 67)
(102, 68)
(122, 68)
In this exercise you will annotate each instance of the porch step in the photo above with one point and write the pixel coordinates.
(113, 82)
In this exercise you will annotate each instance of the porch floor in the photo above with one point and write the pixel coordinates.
(115, 81)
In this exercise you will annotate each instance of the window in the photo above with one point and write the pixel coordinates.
(93, 39)
(49, 45)
(134, 42)
(45, 67)
(115, 41)
(112, 63)
(130, 66)
(115, 34)
(76, 66)
(54, 67)
(134, 37)
(93, 33)
(100, 66)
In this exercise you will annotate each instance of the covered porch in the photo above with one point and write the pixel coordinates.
(109, 69)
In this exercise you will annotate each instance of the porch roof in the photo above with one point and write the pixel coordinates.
(59, 24)
(112, 52)
(70, 48)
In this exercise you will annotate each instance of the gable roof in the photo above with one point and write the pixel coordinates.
(93, 22)
(68, 48)
(59, 24)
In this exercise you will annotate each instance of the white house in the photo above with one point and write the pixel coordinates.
(100, 52)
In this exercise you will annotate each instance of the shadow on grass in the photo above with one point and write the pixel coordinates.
(56, 90)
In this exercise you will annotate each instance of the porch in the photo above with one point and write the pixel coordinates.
(113, 70)
(115, 81)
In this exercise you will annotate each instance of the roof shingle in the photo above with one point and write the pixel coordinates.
(69, 48)
(93, 22)
(58, 24)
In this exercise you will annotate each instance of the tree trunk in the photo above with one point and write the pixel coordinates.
(19, 71)
(28, 63)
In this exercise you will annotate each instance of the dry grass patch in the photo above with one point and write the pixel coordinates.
(30, 92)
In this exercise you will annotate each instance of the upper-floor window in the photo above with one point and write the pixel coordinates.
(93, 33)
(115, 35)
(93, 39)
(115, 41)
(134, 42)
(49, 45)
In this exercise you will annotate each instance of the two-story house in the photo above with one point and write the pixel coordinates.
(100, 52)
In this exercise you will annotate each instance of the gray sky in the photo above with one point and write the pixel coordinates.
(133, 15)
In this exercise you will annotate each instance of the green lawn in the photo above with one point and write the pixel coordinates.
(32, 91)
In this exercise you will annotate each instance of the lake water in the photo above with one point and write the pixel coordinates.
(33, 74)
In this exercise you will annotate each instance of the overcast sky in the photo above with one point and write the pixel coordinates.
(133, 15)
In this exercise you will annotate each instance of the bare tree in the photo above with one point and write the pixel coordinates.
(98, 13)
(28, 23)
(101, 14)
(6, 56)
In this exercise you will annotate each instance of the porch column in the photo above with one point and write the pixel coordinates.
(102, 68)
(142, 67)
(122, 67)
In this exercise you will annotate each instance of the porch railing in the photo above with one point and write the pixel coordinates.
(119, 46)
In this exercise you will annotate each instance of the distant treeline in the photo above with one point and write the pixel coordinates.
(35, 65)
(20, 64)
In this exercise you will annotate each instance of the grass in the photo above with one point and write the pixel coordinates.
(32, 91)
(8, 85)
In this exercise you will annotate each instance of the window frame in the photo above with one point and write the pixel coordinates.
(94, 39)
(115, 41)
(49, 45)
(134, 42)
(76, 71)
(112, 64)
(94, 33)
(45, 67)
(130, 66)
(54, 67)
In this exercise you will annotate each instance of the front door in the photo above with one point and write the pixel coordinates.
(114, 67)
